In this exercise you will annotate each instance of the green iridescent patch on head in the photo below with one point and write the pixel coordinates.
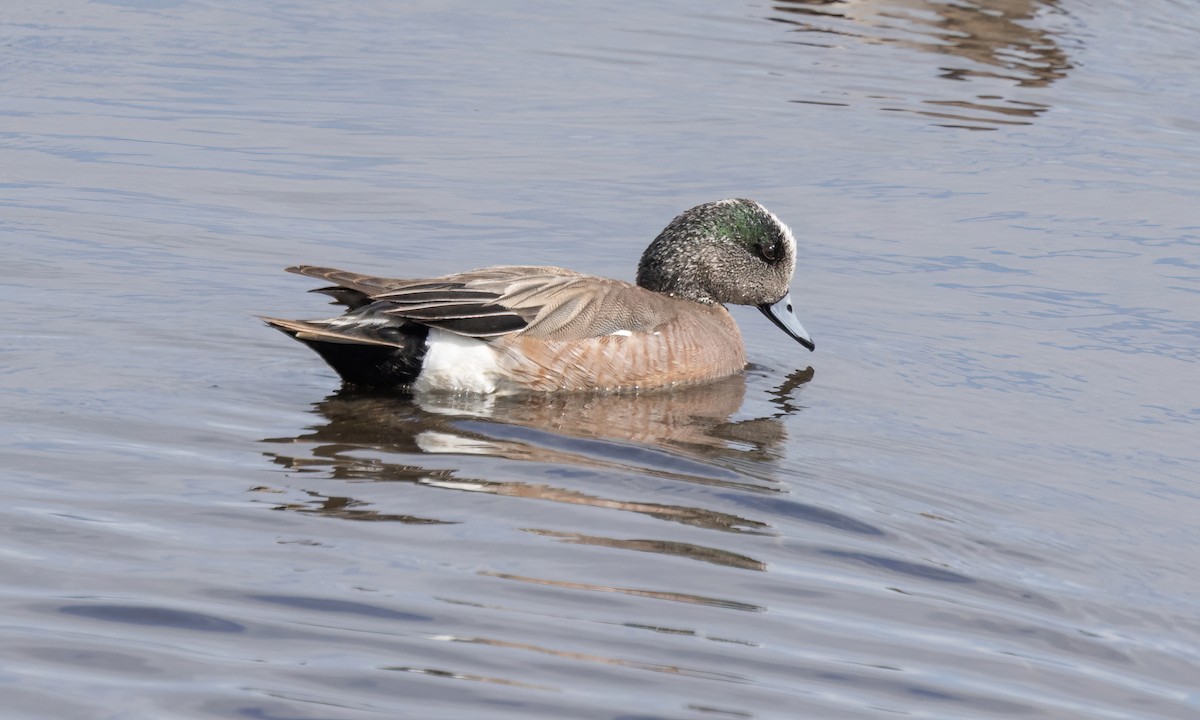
(749, 223)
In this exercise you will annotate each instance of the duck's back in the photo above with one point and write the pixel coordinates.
(512, 328)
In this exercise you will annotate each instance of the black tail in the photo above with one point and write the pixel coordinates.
(391, 359)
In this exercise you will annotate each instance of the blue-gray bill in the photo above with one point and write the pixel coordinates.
(781, 314)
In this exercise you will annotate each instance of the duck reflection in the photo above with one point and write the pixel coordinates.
(998, 39)
(687, 434)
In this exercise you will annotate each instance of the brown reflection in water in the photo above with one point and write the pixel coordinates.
(698, 517)
(664, 547)
(693, 418)
(656, 594)
(680, 435)
(995, 38)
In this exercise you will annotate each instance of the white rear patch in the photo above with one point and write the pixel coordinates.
(622, 333)
(454, 362)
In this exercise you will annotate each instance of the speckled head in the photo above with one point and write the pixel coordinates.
(729, 251)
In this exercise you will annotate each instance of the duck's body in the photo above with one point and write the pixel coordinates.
(533, 328)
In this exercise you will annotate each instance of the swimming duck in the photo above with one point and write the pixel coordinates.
(518, 328)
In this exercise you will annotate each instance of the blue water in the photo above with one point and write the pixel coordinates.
(979, 501)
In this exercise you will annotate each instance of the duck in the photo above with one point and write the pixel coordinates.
(531, 328)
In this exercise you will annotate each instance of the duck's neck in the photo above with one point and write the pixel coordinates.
(670, 267)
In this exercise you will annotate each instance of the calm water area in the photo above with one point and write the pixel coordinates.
(979, 497)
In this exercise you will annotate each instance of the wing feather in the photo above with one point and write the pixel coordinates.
(546, 303)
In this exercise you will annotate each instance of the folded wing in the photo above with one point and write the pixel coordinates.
(547, 303)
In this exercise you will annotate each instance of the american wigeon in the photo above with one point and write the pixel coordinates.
(516, 327)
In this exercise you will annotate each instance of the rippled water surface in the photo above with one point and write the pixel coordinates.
(980, 501)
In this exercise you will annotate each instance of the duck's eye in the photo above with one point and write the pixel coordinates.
(770, 251)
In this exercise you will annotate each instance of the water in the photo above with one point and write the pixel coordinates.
(979, 501)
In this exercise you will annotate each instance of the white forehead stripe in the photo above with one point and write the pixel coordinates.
(787, 231)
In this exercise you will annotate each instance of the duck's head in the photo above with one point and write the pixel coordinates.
(728, 251)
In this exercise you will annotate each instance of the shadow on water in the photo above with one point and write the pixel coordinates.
(1003, 43)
